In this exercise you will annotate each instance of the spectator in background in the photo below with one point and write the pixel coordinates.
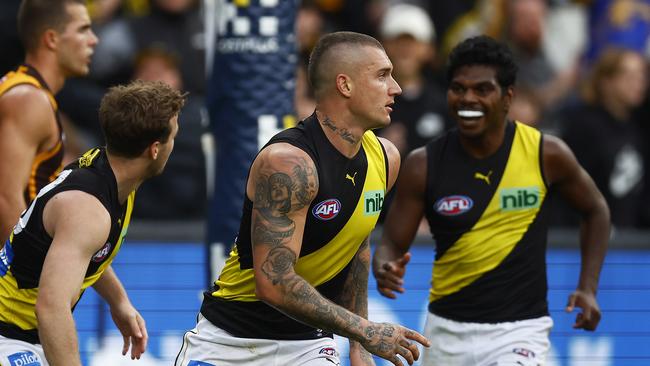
(59, 44)
(183, 182)
(604, 136)
(420, 114)
(524, 33)
(174, 25)
(310, 25)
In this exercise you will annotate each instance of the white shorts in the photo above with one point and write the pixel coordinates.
(208, 345)
(521, 343)
(18, 353)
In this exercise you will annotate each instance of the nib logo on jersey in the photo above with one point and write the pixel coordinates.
(373, 202)
(521, 198)
(24, 359)
(453, 205)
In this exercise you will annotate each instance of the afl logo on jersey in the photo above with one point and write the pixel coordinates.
(327, 209)
(453, 205)
(102, 253)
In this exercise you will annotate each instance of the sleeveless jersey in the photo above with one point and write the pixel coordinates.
(47, 164)
(488, 218)
(341, 216)
(21, 259)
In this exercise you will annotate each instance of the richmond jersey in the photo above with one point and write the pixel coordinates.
(488, 219)
(21, 259)
(341, 216)
(47, 164)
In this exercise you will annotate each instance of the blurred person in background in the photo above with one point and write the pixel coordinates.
(420, 114)
(310, 25)
(183, 182)
(67, 239)
(127, 28)
(483, 188)
(59, 43)
(605, 137)
(524, 33)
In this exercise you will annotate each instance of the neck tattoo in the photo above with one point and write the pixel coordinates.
(345, 134)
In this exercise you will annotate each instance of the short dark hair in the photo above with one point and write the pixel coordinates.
(484, 50)
(136, 115)
(328, 42)
(37, 16)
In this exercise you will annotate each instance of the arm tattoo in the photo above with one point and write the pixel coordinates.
(345, 134)
(279, 261)
(354, 296)
(276, 195)
(305, 190)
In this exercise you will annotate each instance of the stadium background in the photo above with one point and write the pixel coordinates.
(165, 264)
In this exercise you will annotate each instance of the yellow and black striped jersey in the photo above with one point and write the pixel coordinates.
(47, 164)
(343, 213)
(488, 219)
(22, 258)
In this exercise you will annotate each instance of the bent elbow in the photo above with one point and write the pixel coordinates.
(268, 293)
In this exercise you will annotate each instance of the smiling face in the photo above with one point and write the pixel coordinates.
(373, 88)
(477, 101)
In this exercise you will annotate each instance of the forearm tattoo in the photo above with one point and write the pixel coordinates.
(354, 296)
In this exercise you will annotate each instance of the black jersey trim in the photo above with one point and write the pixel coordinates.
(14, 332)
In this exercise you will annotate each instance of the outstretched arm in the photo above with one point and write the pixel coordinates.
(125, 316)
(578, 189)
(401, 225)
(79, 225)
(283, 182)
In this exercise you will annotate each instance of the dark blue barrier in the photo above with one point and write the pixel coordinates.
(165, 281)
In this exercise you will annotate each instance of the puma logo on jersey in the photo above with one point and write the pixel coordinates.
(351, 178)
(485, 178)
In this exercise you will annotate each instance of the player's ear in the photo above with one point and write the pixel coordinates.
(153, 150)
(344, 85)
(507, 98)
(50, 38)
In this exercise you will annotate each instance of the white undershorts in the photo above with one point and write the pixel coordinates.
(208, 345)
(520, 343)
(18, 353)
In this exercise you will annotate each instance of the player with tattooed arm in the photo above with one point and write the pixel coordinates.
(298, 272)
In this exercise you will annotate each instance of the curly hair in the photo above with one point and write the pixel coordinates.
(136, 115)
(484, 50)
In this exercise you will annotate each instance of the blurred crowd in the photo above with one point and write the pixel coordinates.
(583, 77)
